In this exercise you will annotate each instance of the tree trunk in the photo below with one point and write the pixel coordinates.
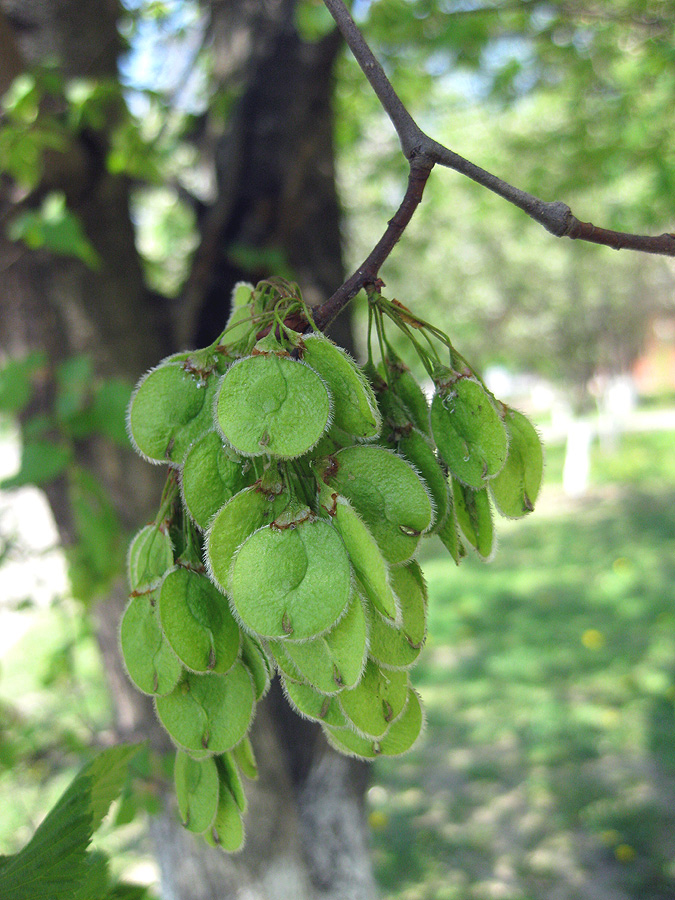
(306, 834)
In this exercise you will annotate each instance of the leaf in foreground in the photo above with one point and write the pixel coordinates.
(54, 863)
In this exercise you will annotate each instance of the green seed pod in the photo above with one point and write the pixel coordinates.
(516, 487)
(406, 388)
(256, 661)
(448, 532)
(150, 556)
(285, 665)
(354, 406)
(230, 779)
(345, 741)
(240, 325)
(311, 704)
(335, 660)
(388, 495)
(170, 408)
(150, 662)
(406, 729)
(209, 712)
(227, 831)
(399, 647)
(240, 328)
(247, 511)
(294, 582)
(211, 476)
(376, 701)
(245, 758)
(197, 622)
(400, 737)
(369, 565)
(474, 515)
(274, 405)
(396, 417)
(468, 431)
(197, 791)
(333, 440)
(418, 450)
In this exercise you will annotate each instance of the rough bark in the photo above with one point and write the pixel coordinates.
(306, 831)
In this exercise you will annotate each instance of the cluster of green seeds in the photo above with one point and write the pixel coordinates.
(299, 490)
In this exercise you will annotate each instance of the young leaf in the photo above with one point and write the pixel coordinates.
(54, 863)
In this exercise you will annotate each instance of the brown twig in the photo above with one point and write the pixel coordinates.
(367, 273)
(422, 153)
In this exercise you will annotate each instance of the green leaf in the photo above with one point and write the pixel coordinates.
(41, 461)
(73, 385)
(55, 228)
(16, 381)
(54, 864)
(99, 554)
(108, 410)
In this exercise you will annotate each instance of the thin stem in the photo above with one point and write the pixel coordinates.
(431, 345)
(370, 334)
(379, 325)
(367, 273)
(416, 344)
(409, 133)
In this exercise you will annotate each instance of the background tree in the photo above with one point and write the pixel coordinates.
(263, 140)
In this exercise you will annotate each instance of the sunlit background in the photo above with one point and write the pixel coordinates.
(547, 766)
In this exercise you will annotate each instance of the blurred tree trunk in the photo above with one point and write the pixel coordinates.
(275, 192)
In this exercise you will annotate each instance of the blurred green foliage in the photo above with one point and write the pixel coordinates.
(548, 764)
(80, 407)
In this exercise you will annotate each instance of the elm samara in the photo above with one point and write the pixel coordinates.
(300, 486)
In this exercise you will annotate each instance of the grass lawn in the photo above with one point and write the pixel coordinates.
(547, 769)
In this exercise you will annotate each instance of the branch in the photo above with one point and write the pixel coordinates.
(367, 273)
(422, 153)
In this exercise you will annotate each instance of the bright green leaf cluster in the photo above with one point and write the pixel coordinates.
(286, 538)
